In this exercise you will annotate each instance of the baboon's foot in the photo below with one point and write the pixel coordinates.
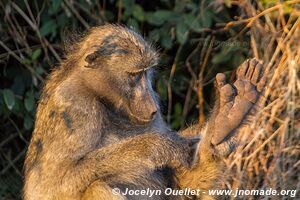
(236, 101)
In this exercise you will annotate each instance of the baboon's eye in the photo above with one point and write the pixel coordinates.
(135, 77)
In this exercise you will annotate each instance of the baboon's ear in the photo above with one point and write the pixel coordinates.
(91, 60)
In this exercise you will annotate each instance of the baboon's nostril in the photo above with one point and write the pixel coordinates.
(153, 114)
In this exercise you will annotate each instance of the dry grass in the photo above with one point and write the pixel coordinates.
(269, 155)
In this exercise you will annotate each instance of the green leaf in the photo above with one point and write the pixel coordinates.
(207, 19)
(164, 14)
(221, 57)
(161, 89)
(109, 15)
(127, 13)
(40, 70)
(154, 35)
(228, 50)
(56, 5)
(178, 109)
(29, 102)
(9, 98)
(62, 20)
(195, 25)
(193, 22)
(26, 61)
(188, 18)
(237, 59)
(133, 24)
(138, 13)
(176, 123)
(128, 6)
(181, 32)
(153, 19)
(127, 3)
(17, 108)
(166, 41)
(180, 6)
(28, 122)
(49, 27)
(36, 54)
(159, 17)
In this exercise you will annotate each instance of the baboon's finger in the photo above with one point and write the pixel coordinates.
(251, 68)
(241, 72)
(227, 107)
(227, 94)
(240, 87)
(227, 91)
(219, 135)
(257, 73)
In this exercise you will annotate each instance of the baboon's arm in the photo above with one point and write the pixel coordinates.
(208, 167)
(129, 160)
(207, 172)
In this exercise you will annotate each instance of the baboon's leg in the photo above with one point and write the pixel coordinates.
(217, 141)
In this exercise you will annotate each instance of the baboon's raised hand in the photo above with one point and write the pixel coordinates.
(233, 106)
(236, 101)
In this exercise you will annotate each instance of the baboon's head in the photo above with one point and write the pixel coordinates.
(117, 65)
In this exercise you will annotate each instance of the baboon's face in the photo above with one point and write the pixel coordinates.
(128, 93)
(119, 70)
(138, 99)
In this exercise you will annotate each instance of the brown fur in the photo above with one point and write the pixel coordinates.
(92, 131)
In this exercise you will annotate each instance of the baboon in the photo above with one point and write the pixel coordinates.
(99, 125)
